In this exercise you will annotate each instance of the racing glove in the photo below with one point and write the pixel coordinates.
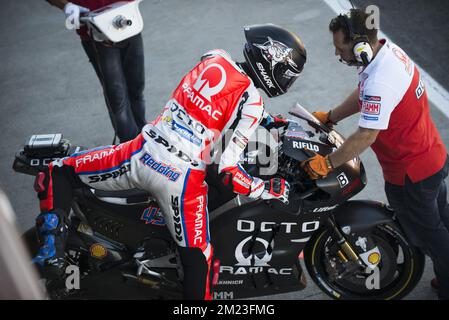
(240, 182)
(269, 122)
(317, 166)
(324, 118)
(72, 13)
(276, 188)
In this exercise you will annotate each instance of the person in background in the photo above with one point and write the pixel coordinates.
(119, 67)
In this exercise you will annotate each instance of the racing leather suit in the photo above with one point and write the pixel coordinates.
(169, 159)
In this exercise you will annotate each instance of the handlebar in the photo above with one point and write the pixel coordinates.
(304, 195)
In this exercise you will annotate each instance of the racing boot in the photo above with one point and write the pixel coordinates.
(52, 235)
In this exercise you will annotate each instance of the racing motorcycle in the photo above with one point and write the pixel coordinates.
(352, 249)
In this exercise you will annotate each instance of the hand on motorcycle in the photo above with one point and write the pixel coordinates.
(276, 188)
(72, 13)
(277, 122)
(280, 121)
(317, 166)
(324, 118)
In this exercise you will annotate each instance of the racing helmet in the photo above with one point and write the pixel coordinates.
(275, 57)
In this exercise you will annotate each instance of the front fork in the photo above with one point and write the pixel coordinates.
(368, 257)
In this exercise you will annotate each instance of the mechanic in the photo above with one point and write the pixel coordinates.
(395, 121)
(119, 67)
(170, 155)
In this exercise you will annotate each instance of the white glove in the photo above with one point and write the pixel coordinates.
(72, 13)
(276, 188)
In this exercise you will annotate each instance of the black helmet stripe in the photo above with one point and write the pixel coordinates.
(256, 73)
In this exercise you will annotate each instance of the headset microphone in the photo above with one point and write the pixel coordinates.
(350, 63)
(364, 57)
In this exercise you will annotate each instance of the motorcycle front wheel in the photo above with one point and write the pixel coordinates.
(399, 270)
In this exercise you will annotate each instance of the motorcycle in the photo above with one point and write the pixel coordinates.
(352, 249)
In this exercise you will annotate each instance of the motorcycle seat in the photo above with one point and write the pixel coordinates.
(131, 196)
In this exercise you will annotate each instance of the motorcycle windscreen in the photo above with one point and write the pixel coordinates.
(301, 140)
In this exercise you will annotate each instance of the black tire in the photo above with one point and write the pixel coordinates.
(408, 272)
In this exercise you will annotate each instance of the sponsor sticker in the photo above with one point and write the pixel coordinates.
(243, 179)
(98, 251)
(170, 148)
(342, 180)
(153, 215)
(112, 174)
(164, 169)
(238, 142)
(419, 89)
(176, 218)
(241, 136)
(370, 108)
(296, 134)
(372, 98)
(185, 133)
(370, 118)
(305, 145)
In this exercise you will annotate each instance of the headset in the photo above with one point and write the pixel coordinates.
(362, 50)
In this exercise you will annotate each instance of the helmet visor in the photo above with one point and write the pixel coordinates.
(285, 76)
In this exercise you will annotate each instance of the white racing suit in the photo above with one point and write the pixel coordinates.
(169, 159)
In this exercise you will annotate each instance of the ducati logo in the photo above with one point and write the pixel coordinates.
(259, 261)
(211, 81)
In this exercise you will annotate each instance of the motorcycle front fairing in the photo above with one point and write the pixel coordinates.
(309, 134)
(258, 244)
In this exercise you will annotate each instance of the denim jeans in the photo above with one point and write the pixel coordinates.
(120, 68)
(423, 212)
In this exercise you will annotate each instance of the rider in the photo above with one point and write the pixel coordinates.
(169, 157)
